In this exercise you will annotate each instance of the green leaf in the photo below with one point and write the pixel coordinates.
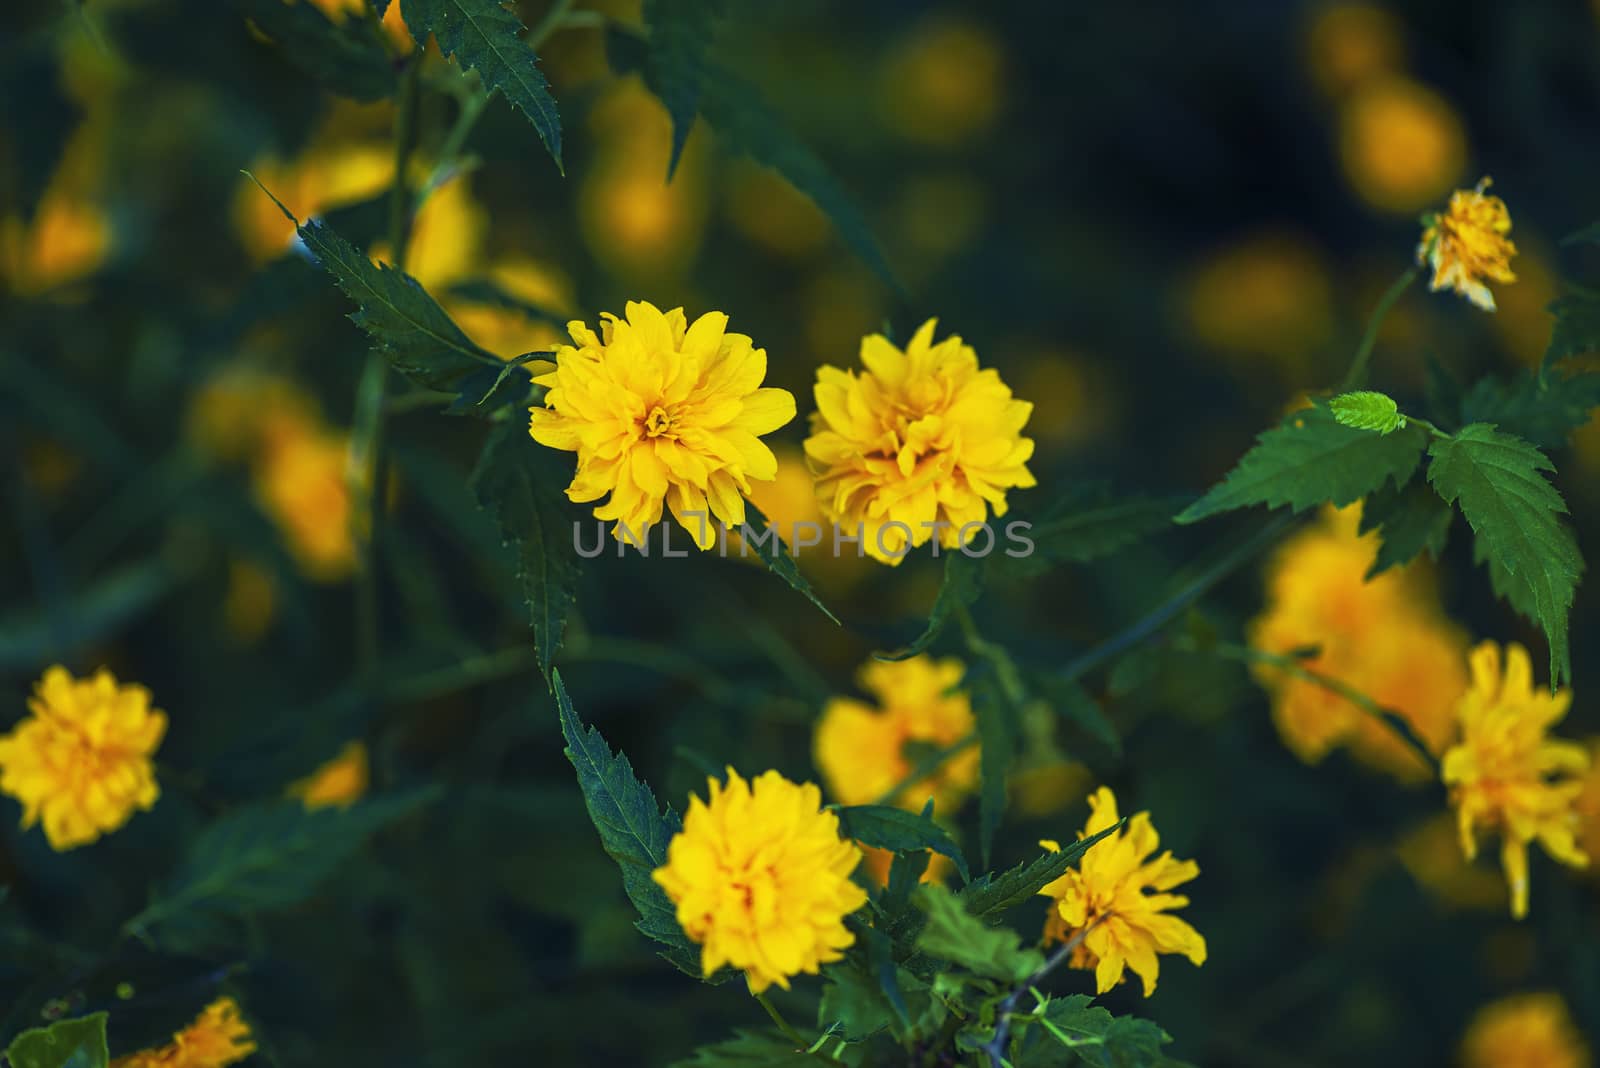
(747, 1049)
(1102, 1040)
(855, 1002)
(482, 35)
(1085, 525)
(521, 484)
(1542, 409)
(633, 830)
(681, 33)
(999, 724)
(962, 584)
(348, 58)
(77, 1043)
(1576, 331)
(771, 550)
(1515, 514)
(899, 831)
(989, 894)
(267, 856)
(1410, 521)
(954, 934)
(1309, 459)
(1366, 409)
(1075, 705)
(489, 293)
(745, 123)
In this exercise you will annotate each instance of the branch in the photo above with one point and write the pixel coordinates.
(996, 1046)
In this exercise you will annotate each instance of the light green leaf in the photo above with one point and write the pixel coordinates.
(521, 484)
(747, 1049)
(899, 831)
(266, 856)
(1410, 521)
(1515, 514)
(77, 1043)
(1366, 409)
(1309, 459)
(962, 585)
(482, 35)
(954, 934)
(633, 830)
(989, 894)
(681, 35)
(762, 539)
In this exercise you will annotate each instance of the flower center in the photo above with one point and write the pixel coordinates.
(659, 422)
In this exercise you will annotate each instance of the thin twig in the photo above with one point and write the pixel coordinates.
(996, 1046)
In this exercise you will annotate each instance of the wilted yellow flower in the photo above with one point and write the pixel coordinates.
(80, 764)
(1506, 776)
(1524, 1031)
(218, 1037)
(1386, 637)
(1350, 43)
(661, 412)
(945, 82)
(864, 751)
(1108, 890)
(1402, 144)
(322, 179)
(300, 480)
(920, 440)
(1466, 245)
(341, 782)
(761, 879)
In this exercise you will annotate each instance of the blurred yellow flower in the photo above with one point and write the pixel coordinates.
(863, 751)
(875, 863)
(945, 82)
(394, 24)
(661, 412)
(447, 237)
(1351, 43)
(1506, 776)
(67, 240)
(1402, 144)
(507, 332)
(80, 763)
(250, 601)
(1127, 927)
(300, 480)
(1466, 245)
(921, 440)
(1588, 805)
(1431, 852)
(322, 179)
(218, 1037)
(341, 782)
(1267, 296)
(1386, 637)
(1048, 786)
(240, 407)
(1524, 1031)
(761, 879)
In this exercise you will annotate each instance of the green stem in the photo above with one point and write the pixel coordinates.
(783, 1025)
(1290, 665)
(1005, 669)
(1358, 366)
(473, 671)
(553, 20)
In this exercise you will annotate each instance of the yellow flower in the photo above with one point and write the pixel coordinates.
(1524, 1031)
(1505, 775)
(662, 413)
(1588, 804)
(863, 751)
(66, 241)
(340, 782)
(218, 1037)
(81, 763)
(300, 480)
(1350, 43)
(241, 407)
(1466, 245)
(918, 439)
(945, 83)
(1127, 927)
(1267, 298)
(1386, 637)
(1402, 144)
(761, 879)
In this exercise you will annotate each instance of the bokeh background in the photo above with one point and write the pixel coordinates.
(1162, 222)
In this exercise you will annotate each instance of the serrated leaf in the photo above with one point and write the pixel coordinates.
(522, 485)
(1541, 409)
(1101, 1040)
(267, 856)
(1409, 522)
(954, 934)
(76, 1043)
(1366, 409)
(1085, 525)
(998, 728)
(989, 894)
(1075, 705)
(960, 588)
(1309, 459)
(855, 1002)
(633, 830)
(747, 1049)
(769, 547)
(1515, 515)
(745, 123)
(482, 35)
(681, 35)
(899, 831)
(1576, 331)
(348, 58)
